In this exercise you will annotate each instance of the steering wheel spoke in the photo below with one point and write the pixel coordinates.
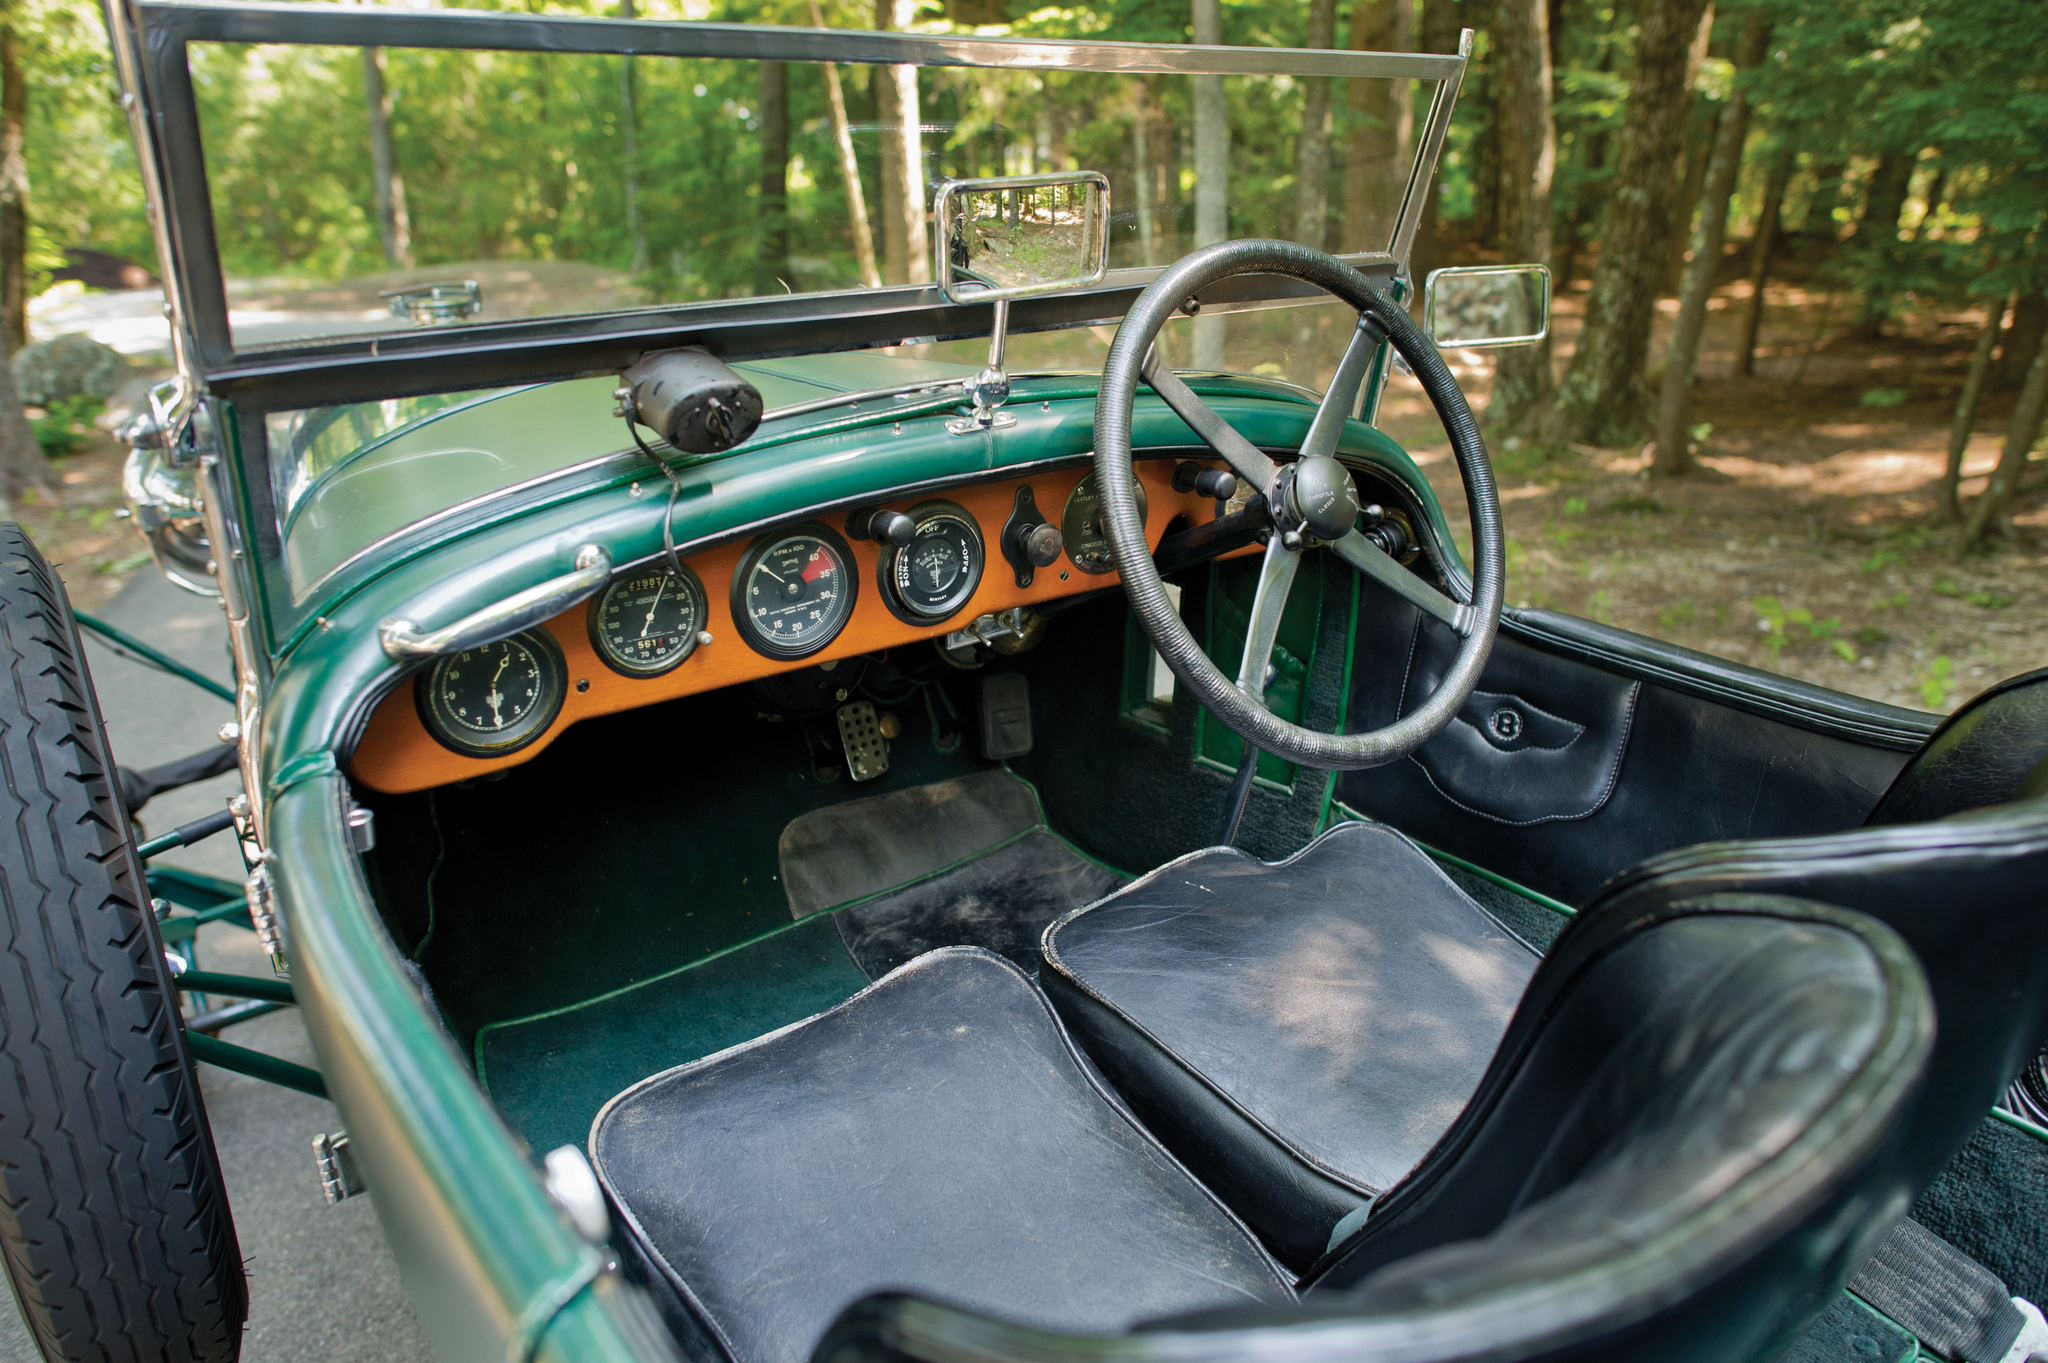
(1276, 579)
(1340, 400)
(1362, 554)
(1242, 456)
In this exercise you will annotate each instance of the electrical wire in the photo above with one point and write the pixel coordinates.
(675, 492)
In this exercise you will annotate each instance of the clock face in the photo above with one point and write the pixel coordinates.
(495, 698)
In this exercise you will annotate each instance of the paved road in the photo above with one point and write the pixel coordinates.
(322, 1284)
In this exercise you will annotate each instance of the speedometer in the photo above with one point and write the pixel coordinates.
(794, 591)
(646, 624)
(932, 577)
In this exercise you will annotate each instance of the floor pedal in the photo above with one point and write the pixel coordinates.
(860, 735)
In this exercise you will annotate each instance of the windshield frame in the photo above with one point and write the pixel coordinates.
(495, 354)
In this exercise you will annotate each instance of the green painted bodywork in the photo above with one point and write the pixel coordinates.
(494, 1269)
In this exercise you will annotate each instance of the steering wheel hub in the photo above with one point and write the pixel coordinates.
(1325, 500)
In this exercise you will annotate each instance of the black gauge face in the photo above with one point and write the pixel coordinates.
(794, 591)
(933, 576)
(646, 624)
(495, 699)
(1082, 528)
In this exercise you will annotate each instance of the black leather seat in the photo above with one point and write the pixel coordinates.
(936, 1134)
(1282, 1124)
(1299, 1032)
(1682, 1147)
(1981, 755)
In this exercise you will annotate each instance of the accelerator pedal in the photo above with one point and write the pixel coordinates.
(860, 736)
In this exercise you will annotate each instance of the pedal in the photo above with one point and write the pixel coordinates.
(1005, 716)
(860, 736)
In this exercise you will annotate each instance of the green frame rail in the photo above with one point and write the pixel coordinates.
(163, 662)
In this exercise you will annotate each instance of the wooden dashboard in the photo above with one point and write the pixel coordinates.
(397, 754)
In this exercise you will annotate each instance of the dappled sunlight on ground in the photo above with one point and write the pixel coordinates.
(1807, 543)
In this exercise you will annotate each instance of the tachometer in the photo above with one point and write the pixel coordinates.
(646, 624)
(794, 591)
(1081, 526)
(494, 699)
(932, 577)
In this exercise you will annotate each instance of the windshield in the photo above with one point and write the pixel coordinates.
(346, 182)
(432, 193)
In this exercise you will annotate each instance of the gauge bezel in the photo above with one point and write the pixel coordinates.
(885, 563)
(554, 693)
(592, 621)
(736, 597)
(1067, 516)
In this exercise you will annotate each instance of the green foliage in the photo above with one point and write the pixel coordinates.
(64, 426)
(1885, 397)
(1781, 624)
(1934, 682)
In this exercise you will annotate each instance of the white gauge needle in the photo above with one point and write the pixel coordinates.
(777, 576)
(494, 698)
(650, 607)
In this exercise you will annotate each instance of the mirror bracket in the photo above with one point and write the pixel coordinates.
(989, 389)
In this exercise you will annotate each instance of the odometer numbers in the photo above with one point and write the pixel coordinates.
(794, 591)
(933, 576)
(648, 623)
(496, 698)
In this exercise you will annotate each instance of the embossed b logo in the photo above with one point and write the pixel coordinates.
(1506, 723)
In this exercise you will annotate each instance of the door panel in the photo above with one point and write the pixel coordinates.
(1586, 749)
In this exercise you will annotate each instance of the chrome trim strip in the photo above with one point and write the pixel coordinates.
(403, 642)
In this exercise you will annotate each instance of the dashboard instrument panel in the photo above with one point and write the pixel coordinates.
(608, 665)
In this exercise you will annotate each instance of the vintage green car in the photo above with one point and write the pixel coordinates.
(791, 841)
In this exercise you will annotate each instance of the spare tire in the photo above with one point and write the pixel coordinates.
(114, 1224)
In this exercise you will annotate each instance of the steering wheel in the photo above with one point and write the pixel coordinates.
(1311, 501)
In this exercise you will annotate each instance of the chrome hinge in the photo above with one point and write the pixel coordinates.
(362, 827)
(262, 891)
(339, 1177)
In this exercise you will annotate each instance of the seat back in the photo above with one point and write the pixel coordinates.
(1682, 1148)
(1981, 755)
(1970, 896)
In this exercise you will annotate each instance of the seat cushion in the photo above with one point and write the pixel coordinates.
(1298, 1032)
(933, 1134)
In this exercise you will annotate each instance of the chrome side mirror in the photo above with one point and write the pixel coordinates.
(437, 304)
(1016, 236)
(1487, 307)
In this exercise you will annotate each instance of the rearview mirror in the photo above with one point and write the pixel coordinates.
(1485, 307)
(1020, 235)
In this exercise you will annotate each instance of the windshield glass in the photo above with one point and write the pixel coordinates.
(346, 182)
(363, 191)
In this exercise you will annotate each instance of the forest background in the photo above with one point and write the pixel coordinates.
(1788, 239)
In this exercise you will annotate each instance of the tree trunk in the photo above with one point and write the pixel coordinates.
(629, 146)
(2022, 338)
(394, 225)
(1381, 128)
(13, 188)
(1879, 229)
(1690, 186)
(1439, 33)
(1681, 357)
(905, 247)
(1600, 399)
(22, 463)
(849, 170)
(1142, 174)
(1523, 381)
(1937, 186)
(1312, 147)
(1950, 507)
(1212, 173)
(1768, 223)
(771, 211)
(1987, 513)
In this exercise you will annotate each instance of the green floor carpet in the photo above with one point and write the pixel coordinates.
(550, 1073)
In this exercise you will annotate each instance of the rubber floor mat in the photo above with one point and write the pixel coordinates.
(1001, 900)
(844, 852)
(550, 1073)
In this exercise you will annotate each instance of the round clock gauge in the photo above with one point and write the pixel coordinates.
(496, 698)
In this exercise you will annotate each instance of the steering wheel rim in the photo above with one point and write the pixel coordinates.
(1130, 358)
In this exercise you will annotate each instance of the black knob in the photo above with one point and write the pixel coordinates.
(1041, 543)
(893, 526)
(1218, 483)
